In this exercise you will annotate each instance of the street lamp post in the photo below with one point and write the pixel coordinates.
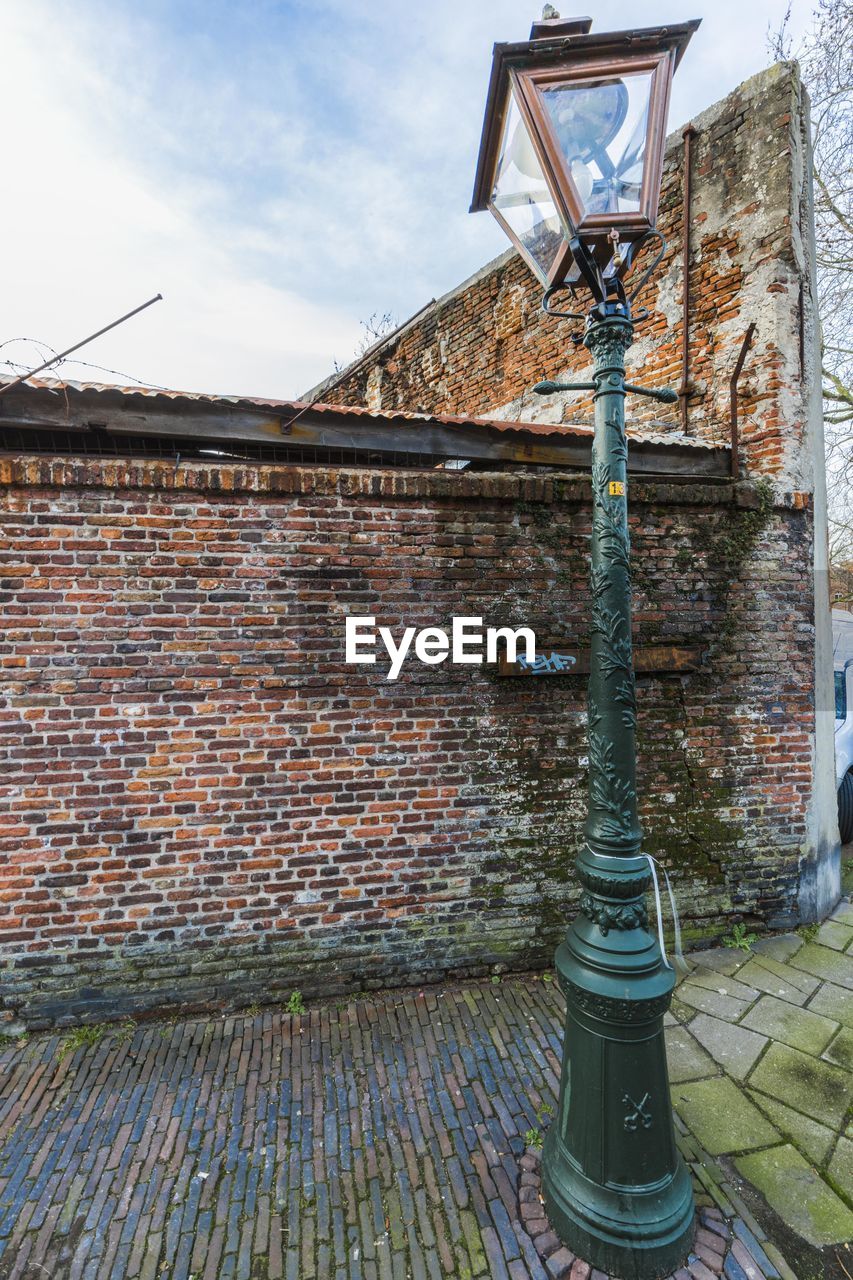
(570, 164)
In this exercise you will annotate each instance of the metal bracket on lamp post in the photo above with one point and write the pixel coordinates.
(615, 1187)
(666, 395)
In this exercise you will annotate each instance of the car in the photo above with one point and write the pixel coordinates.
(843, 673)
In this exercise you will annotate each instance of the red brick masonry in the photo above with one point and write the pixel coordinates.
(203, 804)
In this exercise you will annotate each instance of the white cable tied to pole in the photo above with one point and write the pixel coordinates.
(680, 965)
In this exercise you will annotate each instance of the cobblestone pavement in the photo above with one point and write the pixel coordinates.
(762, 1070)
(384, 1138)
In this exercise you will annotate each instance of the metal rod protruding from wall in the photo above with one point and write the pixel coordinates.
(77, 345)
(735, 441)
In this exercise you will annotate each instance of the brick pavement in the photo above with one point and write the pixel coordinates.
(382, 1138)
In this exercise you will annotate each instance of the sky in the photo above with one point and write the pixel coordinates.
(280, 171)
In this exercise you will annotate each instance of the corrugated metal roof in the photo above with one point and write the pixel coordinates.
(300, 408)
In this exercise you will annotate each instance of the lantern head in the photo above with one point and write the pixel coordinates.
(573, 141)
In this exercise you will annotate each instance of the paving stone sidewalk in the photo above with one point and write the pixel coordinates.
(762, 1070)
(384, 1138)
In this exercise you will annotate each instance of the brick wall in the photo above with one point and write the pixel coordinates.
(479, 349)
(204, 806)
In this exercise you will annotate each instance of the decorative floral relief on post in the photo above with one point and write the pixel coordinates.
(626, 697)
(601, 1006)
(599, 582)
(613, 537)
(616, 657)
(608, 792)
(615, 652)
(608, 344)
(600, 481)
(630, 915)
(608, 623)
(619, 446)
(609, 886)
(608, 518)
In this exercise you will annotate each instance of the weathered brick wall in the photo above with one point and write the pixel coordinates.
(203, 805)
(479, 349)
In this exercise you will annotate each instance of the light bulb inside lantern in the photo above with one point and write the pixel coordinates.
(583, 180)
(522, 154)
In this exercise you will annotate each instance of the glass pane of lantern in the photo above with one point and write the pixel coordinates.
(601, 129)
(521, 196)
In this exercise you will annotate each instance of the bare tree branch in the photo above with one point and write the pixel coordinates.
(826, 63)
(837, 213)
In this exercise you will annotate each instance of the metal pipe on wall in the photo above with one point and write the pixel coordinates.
(733, 381)
(688, 134)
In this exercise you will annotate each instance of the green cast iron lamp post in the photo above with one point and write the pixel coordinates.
(570, 164)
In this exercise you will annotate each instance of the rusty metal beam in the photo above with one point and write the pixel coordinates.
(221, 425)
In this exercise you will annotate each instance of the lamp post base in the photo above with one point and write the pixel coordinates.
(654, 1246)
(615, 1187)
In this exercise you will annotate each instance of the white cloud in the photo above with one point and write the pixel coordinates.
(90, 232)
(276, 169)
